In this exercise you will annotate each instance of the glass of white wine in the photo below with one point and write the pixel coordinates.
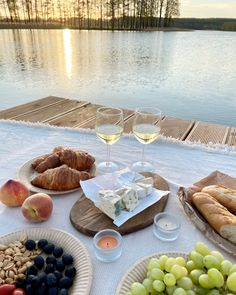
(146, 128)
(109, 127)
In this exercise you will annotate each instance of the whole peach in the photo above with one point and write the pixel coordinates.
(13, 193)
(37, 207)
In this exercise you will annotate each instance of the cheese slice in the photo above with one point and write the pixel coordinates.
(146, 184)
(130, 199)
(110, 204)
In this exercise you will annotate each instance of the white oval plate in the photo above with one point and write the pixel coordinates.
(26, 173)
(138, 272)
(71, 245)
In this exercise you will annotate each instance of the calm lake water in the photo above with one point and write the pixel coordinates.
(186, 74)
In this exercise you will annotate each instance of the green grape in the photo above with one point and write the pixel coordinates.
(213, 292)
(138, 289)
(158, 285)
(154, 292)
(179, 291)
(148, 284)
(185, 283)
(231, 282)
(180, 261)
(149, 275)
(162, 261)
(218, 255)
(170, 290)
(128, 293)
(195, 274)
(211, 261)
(225, 267)
(184, 271)
(157, 274)
(169, 279)
(190, 265)
(169, 263)
(232, 269)
(177, 271)
(205, 282)
(201, 248)
(190, 292)
(197, 259)
(201, 291)
(153, 263)
(215, 277)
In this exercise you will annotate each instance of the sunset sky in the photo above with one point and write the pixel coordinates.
(208, 8)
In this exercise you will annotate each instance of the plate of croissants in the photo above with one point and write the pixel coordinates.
(58, 172)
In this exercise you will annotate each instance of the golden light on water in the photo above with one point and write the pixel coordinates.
(67, 52)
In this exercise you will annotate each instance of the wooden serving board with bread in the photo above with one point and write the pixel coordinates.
(89, 219)
(211, 205)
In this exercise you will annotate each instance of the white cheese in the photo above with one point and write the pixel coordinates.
(110, 204)
(130, 199)
(146, 184)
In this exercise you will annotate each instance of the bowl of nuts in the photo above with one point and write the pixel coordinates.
(45, 261)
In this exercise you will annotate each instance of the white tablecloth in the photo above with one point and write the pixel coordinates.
(179, 163)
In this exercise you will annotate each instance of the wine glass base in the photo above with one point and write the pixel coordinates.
(107, 167)
(142, 167)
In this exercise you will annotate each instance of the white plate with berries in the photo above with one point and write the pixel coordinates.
(46, 260)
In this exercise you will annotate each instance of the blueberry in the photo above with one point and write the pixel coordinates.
(53, 291)
(42, 290)
(30, 245)
(35, 281)
(32, 270)
(58, 251)
(20, 283)
(65, 283)
(63, 292)
(51, 260)
(60, 266)
(42, 277)
(29, 279)
(48, 249)
(42, 243)
(67, 259)
(39, 262)
(29, 290)
(70, 272)
(58, 275)
(49, 268)
(51, 280)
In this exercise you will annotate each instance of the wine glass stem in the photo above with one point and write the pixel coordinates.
(143, 153)
(108, 154)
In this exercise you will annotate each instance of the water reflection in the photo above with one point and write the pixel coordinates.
(183, 73)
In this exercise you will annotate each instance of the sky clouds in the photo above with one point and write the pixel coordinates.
(208, 8)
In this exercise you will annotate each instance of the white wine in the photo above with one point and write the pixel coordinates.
(146, 133)
(109, 133)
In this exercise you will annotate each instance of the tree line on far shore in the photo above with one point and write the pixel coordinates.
(91, 14)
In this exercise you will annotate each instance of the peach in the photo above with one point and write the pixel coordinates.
(13, 193)
(37, 207)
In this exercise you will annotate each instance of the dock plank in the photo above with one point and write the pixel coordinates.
(176, 128)
(29, 107)
(231, 140)
(208, 133)
(52, 111)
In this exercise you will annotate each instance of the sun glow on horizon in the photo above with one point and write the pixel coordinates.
(68, 52)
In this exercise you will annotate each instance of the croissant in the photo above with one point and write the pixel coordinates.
(60, 178)
(39, 160)
(76, 159)
(51, 161)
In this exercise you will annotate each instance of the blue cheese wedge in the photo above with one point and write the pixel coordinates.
(141, 192)
(130, 199)
(110, 204)
(104, 192)
(146, 184)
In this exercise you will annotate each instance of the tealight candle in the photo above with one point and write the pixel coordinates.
(166, 227)
(107, 245)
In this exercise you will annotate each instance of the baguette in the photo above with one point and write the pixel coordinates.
(224, 195)
(217, 215)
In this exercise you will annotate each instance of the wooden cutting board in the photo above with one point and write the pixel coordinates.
(88, 219)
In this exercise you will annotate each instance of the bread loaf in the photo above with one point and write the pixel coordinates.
(217, 215)
(224, 195)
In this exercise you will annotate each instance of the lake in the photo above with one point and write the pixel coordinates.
(188, 75)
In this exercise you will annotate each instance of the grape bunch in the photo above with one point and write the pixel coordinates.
(205, 272)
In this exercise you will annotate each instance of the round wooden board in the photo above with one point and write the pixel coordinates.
(89, 220)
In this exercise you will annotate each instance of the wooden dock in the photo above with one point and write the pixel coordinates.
(72, 113)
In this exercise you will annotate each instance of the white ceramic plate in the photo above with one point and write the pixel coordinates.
(71, 245)
(26, 173)
(138, 272)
